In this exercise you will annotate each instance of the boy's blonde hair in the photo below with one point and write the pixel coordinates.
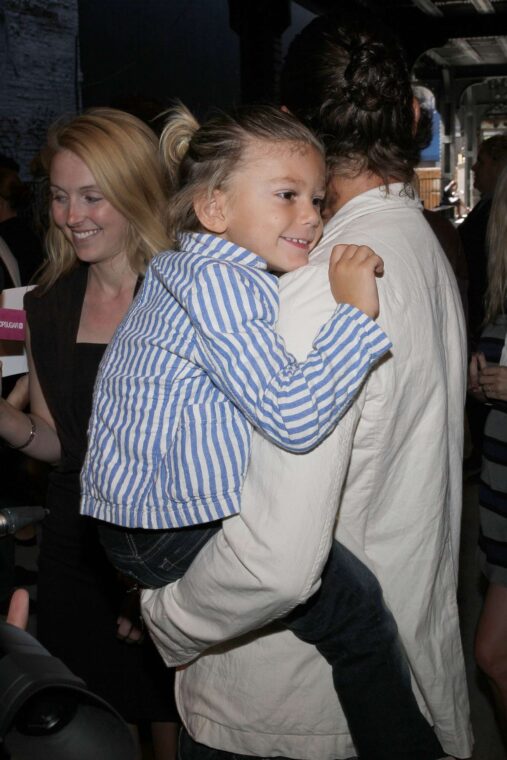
(122, 154)
(201, 159)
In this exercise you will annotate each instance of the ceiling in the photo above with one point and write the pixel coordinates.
(468, 36)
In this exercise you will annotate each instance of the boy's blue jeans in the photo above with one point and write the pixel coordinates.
(346, 620)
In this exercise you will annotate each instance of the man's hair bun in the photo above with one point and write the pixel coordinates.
(371, 79)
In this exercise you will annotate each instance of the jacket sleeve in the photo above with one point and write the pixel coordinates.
(264, 561)
(269, 558)
(294, 403)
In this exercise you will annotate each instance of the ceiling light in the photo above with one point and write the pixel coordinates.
(483, 6)
(428, 7)
(467, 49)
(436, 57)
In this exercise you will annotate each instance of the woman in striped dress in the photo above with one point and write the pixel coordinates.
(489, 382)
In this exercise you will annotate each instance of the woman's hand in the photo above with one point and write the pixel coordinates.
(17, 428)
(352, 273)
(19, 397)
(493, 382)
(477, 363)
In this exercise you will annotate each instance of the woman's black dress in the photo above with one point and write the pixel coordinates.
(79, 598)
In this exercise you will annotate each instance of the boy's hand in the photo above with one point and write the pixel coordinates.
(352, 272)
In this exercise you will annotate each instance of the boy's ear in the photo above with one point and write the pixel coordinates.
(210, 210)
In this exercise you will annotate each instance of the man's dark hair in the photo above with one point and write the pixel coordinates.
(495, 147)
(351, 84)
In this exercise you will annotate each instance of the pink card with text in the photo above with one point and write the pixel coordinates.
(12, 324)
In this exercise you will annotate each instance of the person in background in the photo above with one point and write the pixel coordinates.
(15, 229)
(7, 162)
(21, 255)
(488, 383)
(491, 159)
(107, 207)
(23, 483)
(448, 237)
(450, 202)
(390, 473)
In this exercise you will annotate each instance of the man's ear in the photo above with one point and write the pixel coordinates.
(210, 210)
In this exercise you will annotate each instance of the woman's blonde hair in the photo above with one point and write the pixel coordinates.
(122, 154)
(496, 294)
(200, 159)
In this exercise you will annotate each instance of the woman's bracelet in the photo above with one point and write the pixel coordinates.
(33, 431)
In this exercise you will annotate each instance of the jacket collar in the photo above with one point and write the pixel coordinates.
(218, 248)
(395, 196)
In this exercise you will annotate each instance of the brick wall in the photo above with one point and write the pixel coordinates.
(38, 41)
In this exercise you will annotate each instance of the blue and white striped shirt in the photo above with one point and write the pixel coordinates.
(196, 362)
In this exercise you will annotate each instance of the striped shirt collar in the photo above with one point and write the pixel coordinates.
(218, 248)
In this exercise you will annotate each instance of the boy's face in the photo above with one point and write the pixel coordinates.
(272, 202)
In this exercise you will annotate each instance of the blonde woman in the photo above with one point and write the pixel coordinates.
(488, 381)
(107, 203)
